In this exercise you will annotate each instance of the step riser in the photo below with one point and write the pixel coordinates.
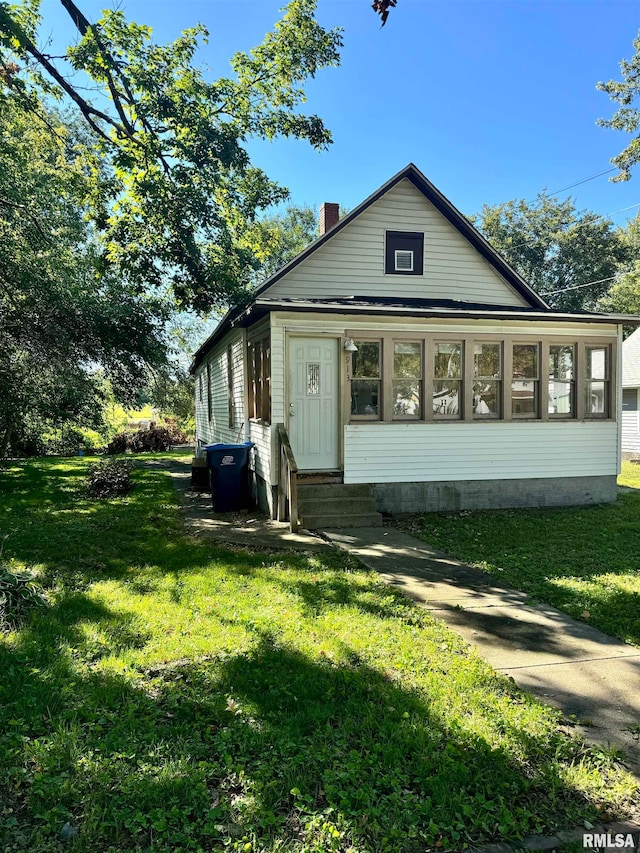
(346, 506)
(336, 491)
(315, 522)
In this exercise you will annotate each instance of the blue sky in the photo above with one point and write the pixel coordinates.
(491, 100)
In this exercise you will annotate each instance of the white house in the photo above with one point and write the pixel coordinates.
(400, 357)
(630, 391)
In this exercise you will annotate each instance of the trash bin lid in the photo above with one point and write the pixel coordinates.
(238, 446)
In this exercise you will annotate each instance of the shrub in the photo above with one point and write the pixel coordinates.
(18, 596)
(156, 438)
(109, 478)
(118, 443)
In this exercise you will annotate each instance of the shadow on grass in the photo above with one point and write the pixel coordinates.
(269, 745)
(583, 560)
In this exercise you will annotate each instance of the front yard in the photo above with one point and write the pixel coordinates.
(174, 696)
(585, 561)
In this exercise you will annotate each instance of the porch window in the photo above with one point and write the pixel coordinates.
(525, 381)
(447, 381)
(200, 388)
(209, 395)
(259, 379)
(561, 380)
(487, 375)
(407, 380)
(365, 382)
(597, 381)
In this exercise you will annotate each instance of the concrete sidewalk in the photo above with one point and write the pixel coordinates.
(563, 662)
(251, 529)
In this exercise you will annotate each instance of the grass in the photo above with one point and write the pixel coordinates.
(174, 696)
(582, 560)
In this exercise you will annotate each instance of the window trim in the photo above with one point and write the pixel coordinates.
(573, 414)
(421, 381)
(382, 396)
(500, 380)
(398, 240)
(537, 397)
(608, 381)
(258, 360)
(506, 341)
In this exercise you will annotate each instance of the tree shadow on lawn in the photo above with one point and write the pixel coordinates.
(269, 744)
(558, 555)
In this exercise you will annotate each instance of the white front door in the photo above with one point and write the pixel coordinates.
(313, 401)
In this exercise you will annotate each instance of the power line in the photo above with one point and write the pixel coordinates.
(584, 180)
(578, 286)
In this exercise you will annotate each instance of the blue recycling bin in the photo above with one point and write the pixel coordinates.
(229, 467)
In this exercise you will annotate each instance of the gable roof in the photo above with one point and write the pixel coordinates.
(444, 206)
(537, 309)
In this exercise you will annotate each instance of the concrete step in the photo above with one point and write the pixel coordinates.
(337, 491)
(344, 506)
(340, 519)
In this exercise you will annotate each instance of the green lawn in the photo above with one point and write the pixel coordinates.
(178, 697)
(585, 561)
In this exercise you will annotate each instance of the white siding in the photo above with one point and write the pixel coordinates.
(351, 263)
(218, 428)
(630, 432)
(396, 453)
(260, 435)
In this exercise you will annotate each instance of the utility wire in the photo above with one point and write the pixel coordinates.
(577, 286)
(584, 180)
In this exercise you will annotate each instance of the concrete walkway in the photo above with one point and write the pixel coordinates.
(563, 662)
(250, 529)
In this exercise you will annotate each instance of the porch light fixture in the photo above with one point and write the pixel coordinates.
(349, 346)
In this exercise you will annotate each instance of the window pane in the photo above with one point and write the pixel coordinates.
(560, 397)
(446, 397)
(486, 360)
(407, 360)
(630, 400)
(486, 396)
(364, 396)
(406, 398)
(448, 361)
(595, 404)
(525, 361)
(560, 362)
(596, 362)
(524, 398)
(366, 362)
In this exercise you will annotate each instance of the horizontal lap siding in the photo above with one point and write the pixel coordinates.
(392, 453)
(260, 435)
(218, 429)
(630, 432)
(352, 262)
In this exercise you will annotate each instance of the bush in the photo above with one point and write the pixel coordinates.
(154, 439)
(18, 596)
(118, 443)
(109, 478)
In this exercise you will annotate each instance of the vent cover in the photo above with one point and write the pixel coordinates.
(404, 260)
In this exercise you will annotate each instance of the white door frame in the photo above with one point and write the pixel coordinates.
(340, 379)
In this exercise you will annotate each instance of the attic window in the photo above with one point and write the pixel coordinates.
(404, 252)
(404, 260)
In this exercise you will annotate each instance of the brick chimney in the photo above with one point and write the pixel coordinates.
(329, 216)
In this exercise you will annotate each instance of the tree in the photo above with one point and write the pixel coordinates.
(624, 296)
(627, 118)
(286, 235)
(182, 198)
(556, 248)
(66, 322)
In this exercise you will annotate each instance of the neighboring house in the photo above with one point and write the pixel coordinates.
(630, 391)
(403, 356)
